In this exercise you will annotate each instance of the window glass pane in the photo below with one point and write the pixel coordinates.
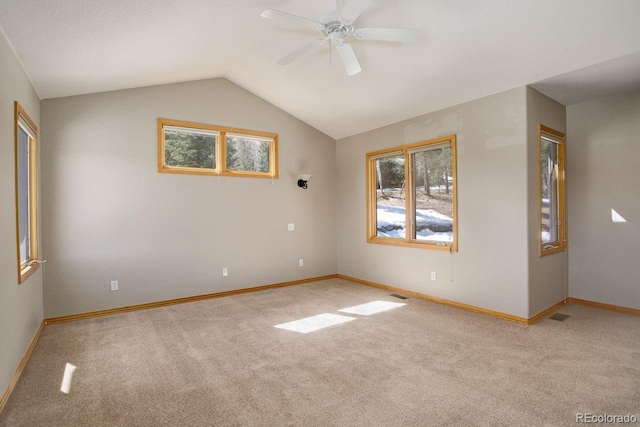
(390, 197)
(247, 154)
(189, 149)
(23, 195)
(433, 195)
(550, 193)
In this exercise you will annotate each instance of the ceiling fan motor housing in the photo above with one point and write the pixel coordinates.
(335, 27)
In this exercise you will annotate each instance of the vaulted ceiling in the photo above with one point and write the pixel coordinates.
(467, 49)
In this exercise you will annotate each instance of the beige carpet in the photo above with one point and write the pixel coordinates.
(222, 363)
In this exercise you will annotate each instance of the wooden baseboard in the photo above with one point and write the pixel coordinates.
(16, 375)
(443, 301)
(165, 303)
(547, 312)
(23, 362)
(603, 306)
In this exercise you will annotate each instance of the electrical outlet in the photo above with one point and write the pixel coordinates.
(225, 272)
(291, 227)
(300, 262)
(114, 285)
(433, 275)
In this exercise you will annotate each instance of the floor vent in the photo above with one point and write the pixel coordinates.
(559, 316)
(399, 296)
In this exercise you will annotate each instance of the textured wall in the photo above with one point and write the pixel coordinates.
(604, 173)
(547, 274)
(20, 305)
(109, 215)
(490, 269)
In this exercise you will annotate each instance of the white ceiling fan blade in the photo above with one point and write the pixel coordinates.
(348, 58)
(299, 52)
(398, 35)
(292, 19)
(354, 8)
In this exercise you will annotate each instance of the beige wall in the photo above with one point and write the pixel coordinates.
(547, 274)
(109, 215)
(604, 173)
(21, 309)
(490, 269)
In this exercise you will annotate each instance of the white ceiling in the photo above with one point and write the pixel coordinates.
(469, 49)
(597, 81)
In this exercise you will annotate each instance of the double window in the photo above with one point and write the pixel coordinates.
(411, 195)
(194, 148)
(26, 158)
(551, 148)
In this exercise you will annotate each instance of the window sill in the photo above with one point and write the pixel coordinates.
(27, 271)
(554, 250)
(215, 172)
(412, 244)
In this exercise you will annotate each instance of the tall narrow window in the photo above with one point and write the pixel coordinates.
(552, 191)
(26, 193)
(412, 195)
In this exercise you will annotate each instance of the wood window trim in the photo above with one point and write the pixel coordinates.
(26, 269)
(562, 215)
(372, 236)
(221, 154)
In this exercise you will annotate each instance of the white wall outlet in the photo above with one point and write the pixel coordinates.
(300, 262)
(225, 272)
(291, 227)
(433, 275)
(114, 285)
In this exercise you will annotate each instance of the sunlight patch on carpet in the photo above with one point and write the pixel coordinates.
(314, 323)
(372, 307)
(69, 369)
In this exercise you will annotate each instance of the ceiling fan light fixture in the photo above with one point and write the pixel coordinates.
(348, 58)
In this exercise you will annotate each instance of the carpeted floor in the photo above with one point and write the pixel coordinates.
(222, 363)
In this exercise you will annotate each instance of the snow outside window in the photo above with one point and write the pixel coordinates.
(412, 195)
(432, 211)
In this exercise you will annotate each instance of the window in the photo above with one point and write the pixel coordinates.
(411, 195)
(248, 153)
(26, 193)
(193, 148)
(190, 148)
(552, 191)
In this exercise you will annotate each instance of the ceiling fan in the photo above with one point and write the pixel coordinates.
(337, 25)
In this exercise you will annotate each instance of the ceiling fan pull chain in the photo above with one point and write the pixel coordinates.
(330, 51)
